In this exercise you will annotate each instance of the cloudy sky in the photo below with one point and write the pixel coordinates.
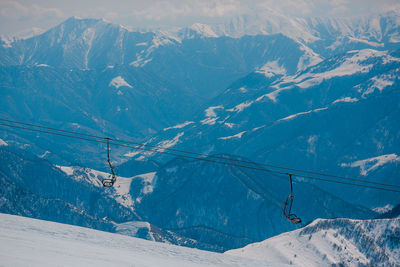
(17, 16)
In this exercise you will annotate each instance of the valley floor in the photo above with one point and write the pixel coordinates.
(30, 242)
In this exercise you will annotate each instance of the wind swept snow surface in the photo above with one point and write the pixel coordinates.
(31, 242)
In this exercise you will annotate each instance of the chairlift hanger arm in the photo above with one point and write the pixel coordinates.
(109, 182)
(287, 209)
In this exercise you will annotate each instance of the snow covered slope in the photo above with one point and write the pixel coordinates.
(339, 242)
(303, 121)
(25, 241)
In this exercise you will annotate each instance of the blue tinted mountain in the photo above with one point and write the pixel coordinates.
(338, 117)
(35, 188)
(230, 206)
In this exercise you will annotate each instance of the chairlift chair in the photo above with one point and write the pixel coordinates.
(287, 209)
(109, 182)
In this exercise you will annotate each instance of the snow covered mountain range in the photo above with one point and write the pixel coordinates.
(315, 94)
(103, 78)
(302, 121)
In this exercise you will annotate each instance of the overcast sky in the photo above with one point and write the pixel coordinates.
(17, 16)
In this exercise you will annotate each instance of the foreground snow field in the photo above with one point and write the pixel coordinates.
(30, 242)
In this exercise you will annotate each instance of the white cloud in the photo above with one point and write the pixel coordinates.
(12, 9)
(290, 7)
(15, 10)
(18, 15)
(175, 10)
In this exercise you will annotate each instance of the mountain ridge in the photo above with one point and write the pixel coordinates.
(332, 242)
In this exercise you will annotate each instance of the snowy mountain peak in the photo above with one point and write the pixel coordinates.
(204, 29)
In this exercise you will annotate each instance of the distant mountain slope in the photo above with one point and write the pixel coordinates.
(33, 187)
(339, 242)
(228, 206)
(211, 206)
(320, 95)
(95, 102)
(97, 77)
(25, 241)
(338, 117)
(325, 35)
(200, 64)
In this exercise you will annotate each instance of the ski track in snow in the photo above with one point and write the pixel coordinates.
(31, 242)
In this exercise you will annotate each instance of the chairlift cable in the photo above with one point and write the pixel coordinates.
(202, 154)
(206, 159)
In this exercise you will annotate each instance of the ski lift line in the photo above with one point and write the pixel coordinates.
(287, 208)
(140, 148)
(109, 182)
(346, 183)
(203, 155)
(54, 129)
(134, 147)
(204, 159)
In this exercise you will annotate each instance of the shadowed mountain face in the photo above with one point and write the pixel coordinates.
(34, 187)
(189, 203)
(92, 76)
(337, 117)
(197, 64)
(231, 206)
